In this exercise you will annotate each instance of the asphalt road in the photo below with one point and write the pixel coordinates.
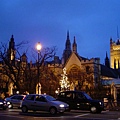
(16, 114)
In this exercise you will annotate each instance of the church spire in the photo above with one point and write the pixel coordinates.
(118, 40)
(67, 51)
(107, 63)
(68, 44)
(74, 46)
(12, 43)
(68, 35)
(11, 50)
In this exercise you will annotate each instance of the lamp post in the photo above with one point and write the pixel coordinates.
(38, 47)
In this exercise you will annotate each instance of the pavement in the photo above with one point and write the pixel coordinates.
(113, 106)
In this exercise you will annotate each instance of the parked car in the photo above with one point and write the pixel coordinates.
(3, 104)
(79, 100)
(14, 100)
(42, 102)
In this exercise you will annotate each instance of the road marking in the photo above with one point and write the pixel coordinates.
(61, 117)
(14, 110)
(12, 116)
(82, 115)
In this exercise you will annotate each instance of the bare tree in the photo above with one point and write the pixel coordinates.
(19, 71)
(47, 77)
(11, 67)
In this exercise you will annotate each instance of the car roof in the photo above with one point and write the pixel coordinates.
(72, 91)
(33, 94)
(17, 95)
(40, 95)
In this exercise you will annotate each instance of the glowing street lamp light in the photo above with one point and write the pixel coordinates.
(38, 47)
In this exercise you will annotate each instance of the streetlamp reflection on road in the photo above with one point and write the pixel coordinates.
(38, 47)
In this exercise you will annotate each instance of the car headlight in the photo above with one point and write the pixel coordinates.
(100, 103)
(1, 103)
(61, 105)
(8, 103)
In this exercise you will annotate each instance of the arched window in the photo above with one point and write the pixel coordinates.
(74, 74)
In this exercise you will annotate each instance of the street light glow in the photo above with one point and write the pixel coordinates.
(38, 46)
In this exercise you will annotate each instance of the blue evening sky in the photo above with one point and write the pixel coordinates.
(92, 22)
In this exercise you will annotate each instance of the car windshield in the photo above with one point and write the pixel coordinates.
(87, 96)
(50, 98)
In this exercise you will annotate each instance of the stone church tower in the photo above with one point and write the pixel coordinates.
(67, 51)
(74, 46)
(115, 54)
(82, 72)
(11, 50)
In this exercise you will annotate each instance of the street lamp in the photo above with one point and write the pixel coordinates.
(38, 47)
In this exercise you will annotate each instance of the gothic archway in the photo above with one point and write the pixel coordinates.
(76, 76)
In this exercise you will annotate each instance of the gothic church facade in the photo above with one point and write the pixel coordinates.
(82, 72)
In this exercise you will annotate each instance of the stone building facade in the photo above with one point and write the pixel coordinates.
(82, 72)
(115, 54)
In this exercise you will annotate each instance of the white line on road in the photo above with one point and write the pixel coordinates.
(12, 116)
(82, 115)
(61, 117)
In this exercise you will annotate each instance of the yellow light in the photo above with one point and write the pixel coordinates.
(38, 46)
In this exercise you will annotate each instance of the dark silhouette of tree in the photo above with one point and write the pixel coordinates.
(21, 73)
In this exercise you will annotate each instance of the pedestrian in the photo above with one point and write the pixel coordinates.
(109, 104)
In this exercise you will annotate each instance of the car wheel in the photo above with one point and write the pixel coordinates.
(10, 106)
(24, 109)
(53, 110)
(93, 109)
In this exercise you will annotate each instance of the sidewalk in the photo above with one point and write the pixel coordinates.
(114, 106)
